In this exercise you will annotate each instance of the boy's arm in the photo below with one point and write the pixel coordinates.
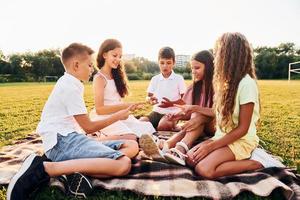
(98, 86)
(167, 103)
(182, 88)
(92, 126)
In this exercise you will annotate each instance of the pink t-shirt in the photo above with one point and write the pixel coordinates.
(188, 97)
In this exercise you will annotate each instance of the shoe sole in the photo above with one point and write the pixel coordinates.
(77, 194)
(174, 159)
(150, 148)
(21, 171)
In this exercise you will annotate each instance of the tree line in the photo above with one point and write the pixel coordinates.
(270, 63)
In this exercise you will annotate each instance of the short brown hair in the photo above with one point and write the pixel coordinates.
(75, 49)
(167, 53)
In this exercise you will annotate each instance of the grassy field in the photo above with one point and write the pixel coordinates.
(21, 105)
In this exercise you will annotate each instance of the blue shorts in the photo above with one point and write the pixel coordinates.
(77, 146)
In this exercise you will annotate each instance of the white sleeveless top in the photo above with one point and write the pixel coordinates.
(111, 95)
(130, 125)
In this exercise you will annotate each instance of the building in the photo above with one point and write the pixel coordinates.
(182, 60)
(126, 57)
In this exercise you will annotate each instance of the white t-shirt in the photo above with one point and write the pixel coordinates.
(65, 101)
(247, 93)
(172, 88)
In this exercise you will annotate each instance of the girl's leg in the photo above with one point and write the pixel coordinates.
(171, 142)
(191, 136)
(221, 162)
(91, 166)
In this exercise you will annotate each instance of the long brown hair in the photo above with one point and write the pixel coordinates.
(207, 59)
(233, 60)
(118, 74)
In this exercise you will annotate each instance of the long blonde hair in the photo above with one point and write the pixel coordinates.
(233, 60)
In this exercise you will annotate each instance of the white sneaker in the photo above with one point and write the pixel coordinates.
(150, 148)
(265, 159)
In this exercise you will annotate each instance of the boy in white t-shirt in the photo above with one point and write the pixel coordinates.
(164, 90)
(63, 120)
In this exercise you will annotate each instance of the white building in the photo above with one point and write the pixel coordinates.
(126, 57)
(182, 60)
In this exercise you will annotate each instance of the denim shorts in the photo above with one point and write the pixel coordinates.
(77, 146)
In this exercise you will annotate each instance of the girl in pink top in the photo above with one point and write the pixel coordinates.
(199, 94)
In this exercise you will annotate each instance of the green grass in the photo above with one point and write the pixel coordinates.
(21, 105)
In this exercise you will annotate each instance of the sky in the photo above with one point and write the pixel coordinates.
(144, 26)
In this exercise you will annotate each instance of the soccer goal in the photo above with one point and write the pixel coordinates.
(294, 68)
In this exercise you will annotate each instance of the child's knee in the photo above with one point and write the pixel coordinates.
(133, 145)
(165, 126)
(124, 166)
(202, 170)
(255, 165)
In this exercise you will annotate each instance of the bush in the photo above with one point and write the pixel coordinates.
(134, 76)
(187, 76)
(147, 76)
(3, 79)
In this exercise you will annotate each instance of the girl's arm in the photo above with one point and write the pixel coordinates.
(189, 109)
(92, 126)
(246, 111)
(204, 111)
(98, 86)
(245, 115)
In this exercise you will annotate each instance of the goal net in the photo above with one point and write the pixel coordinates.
(294, 68)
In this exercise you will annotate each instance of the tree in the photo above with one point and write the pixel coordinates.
(145, 66)
(286, 48)
(2, 57)
(15, 61)
(272, 62)
(130, 67)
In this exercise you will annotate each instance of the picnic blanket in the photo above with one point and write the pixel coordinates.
(160, 179)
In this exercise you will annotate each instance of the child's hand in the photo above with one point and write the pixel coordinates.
(137, 106)
(152, 100)
(123, 114)
(201, 151)
(186, 109)
(196, 154)
(175, 116)
(165, 103)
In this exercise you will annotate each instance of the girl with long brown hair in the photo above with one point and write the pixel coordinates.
(110, 86)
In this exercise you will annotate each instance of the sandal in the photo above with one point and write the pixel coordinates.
(175, 156)
(150, 148)
(161, 143)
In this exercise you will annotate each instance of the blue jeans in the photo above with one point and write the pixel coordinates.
(77, 146)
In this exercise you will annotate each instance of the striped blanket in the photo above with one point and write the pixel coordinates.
(160, 179)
